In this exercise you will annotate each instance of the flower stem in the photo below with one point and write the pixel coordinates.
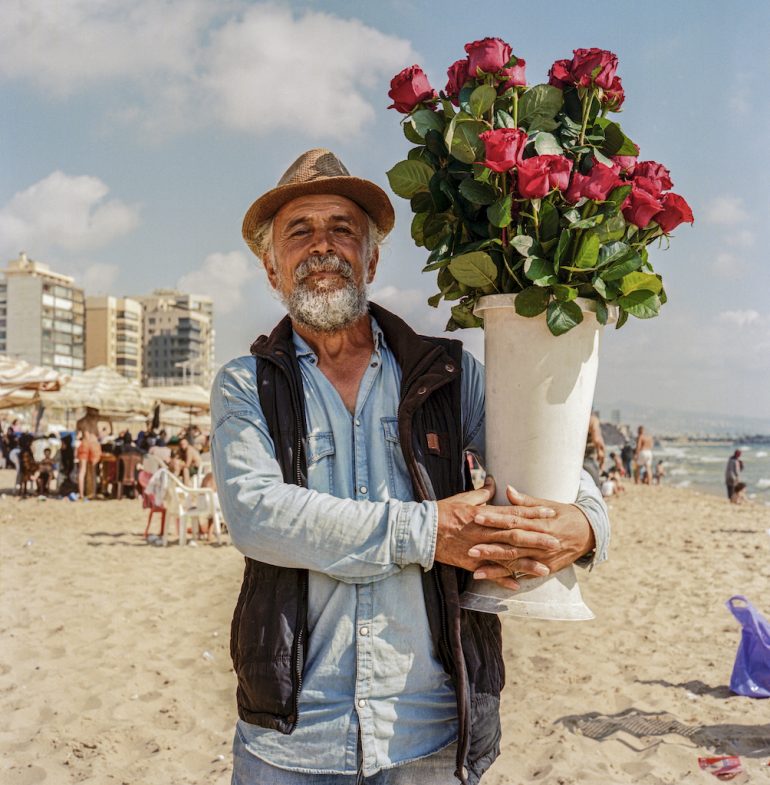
(515, 108)
(586, 112)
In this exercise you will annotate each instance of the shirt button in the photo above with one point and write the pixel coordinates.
(364, 631)
(363, 489)
(374, 365)
(358, 422)
(361, 703)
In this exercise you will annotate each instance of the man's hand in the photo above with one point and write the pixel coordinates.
(468, 529)
(568, 526)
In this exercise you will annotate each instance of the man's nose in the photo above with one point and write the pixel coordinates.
(322, 242)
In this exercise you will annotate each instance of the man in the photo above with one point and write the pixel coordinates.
(191, 460)
(643, 456)
(733, 473)
(331, 446)
(596, 440)
(89, 450)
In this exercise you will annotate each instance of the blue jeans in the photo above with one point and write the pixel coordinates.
(436, 769)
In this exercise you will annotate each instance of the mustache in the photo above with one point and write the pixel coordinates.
(327, 263)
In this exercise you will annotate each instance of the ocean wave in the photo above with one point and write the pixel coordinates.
(683, 484)
(761, 454)
(763, 482)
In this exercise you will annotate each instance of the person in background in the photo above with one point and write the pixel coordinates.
(739, 493)
(596, 439)
(617, 464)
(89, 449)
(660, 473)
(643, 457)
(191, 459)
(733, 472)
(45, 472)
(627, 458)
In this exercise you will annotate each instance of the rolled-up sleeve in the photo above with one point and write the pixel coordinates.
(287, 525)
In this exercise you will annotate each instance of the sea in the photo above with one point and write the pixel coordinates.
(701, 466)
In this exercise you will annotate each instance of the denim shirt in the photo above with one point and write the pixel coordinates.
(371, 669)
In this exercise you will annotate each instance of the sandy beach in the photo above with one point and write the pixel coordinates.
(114, 666)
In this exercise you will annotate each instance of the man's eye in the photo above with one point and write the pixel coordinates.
(343, 230)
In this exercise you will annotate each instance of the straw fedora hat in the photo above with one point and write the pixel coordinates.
(318, 171)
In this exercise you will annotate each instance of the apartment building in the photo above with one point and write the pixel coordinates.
(42, 316)
(178, 338)
(114, 328)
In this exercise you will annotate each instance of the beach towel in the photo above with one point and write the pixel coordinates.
(751, 672)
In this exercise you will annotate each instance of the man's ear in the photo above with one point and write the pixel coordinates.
(269, 265)
(371, 268)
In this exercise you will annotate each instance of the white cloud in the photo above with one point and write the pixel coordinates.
(740, 318)
(99, 278)
(255, 68)
(725, 211)
(728, 265)
(222, 276)
(65, 212)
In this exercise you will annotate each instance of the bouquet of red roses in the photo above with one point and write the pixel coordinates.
(532, 190)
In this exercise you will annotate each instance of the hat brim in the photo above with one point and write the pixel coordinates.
(368, 196)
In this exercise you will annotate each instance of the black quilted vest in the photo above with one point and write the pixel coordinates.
(269, 629)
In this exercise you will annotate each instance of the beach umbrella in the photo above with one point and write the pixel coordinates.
(191, 396)
(20, 381)
(101, 388)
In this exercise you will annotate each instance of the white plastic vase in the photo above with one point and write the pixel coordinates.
(539, 393)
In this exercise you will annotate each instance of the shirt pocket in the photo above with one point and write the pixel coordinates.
(399, 481)
(320, 461)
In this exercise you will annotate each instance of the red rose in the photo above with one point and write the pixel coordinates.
(504, 147)
(640, 207)
(559, 75)
(515, 75)
(614, 95)
(675, 211)
(409, 88)
(595, 185)
(593, 66)
(626, 163)
(543, 173)
(653, 177)
(488, 55)
(458, 76)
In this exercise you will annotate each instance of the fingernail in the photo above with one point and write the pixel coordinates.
(547, 511)
(474, 552)
(541, 569)
(554, 543)
(479, 575)
(479, 519)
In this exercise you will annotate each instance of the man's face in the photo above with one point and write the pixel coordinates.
(184, 444)
(318, 263)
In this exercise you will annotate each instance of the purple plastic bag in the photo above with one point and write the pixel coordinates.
(751, 672)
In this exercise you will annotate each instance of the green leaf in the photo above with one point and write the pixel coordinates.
(635, 281)
(600, 287)
(474, 269)
(622, 319)
(588, 223)
(522, 243)
(499, 213)
(549, 221)
(562, 246)
(612, 252)
(613, 228)
(476, 192)
(546, 144)
(503, 119)
(435, 300)
(408, 178)
(602, 159)
(562, 317)
(564, 293)
(421, 203)
(602, 314)
(410, 133)
(417, 223)
(425, 120)
(626, 264)
(463, 315)
(615, 141)
(539, 271)
(588, 252)
(539, 105)
(481, 99)
(466, 145)
(434, 143)
(641, 303)
(464, 97)
(619, 194)
(531, 301)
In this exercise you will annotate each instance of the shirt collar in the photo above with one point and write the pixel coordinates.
(303, 351)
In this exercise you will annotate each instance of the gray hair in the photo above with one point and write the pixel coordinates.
(262, 238)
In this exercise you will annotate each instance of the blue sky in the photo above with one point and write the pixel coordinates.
(136, 134)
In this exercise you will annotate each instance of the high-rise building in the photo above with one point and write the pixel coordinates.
(42, 316)
(114, 335)
(178, 338)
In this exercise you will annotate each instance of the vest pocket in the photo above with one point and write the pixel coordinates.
(399, 481)
(320, 461)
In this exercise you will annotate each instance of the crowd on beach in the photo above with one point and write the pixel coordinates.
(93, 461)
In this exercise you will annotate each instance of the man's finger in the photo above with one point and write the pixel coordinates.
(521, 499)
(498, 517)
(478, 496)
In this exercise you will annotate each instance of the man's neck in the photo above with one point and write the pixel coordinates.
(334, 347)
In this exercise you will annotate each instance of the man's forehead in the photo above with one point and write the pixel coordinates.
(319, 205)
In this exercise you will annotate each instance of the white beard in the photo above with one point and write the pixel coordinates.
(324, 306)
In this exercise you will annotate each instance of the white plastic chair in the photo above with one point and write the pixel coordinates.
(186, 503)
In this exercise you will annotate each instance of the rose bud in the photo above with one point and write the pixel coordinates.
(640, 207)
(515, 75)
(675, 211)
(614, 95)
(458, 76)
(655, 177)
(543, 173)
(488, 55)
(583, 70)
(596, 185)
(627, 163)
(559, 75)
(410, 88)
(504, 147)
